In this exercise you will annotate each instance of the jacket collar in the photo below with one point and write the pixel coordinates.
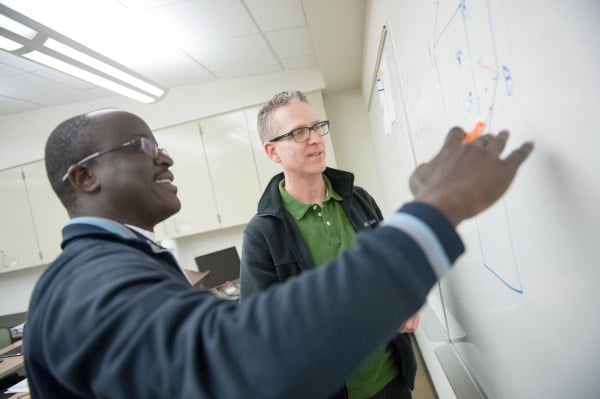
(90, 225)
(341, 182)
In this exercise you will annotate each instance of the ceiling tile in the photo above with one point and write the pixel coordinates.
(291, 42)
(22, 64)
(188, 73)
(140, 5)
(276, 15)
(190, 24)
(237, 70)
(248, 50)
(183, 42)
(10, 105)
(303, 61)
(32, 88)
(7, 70)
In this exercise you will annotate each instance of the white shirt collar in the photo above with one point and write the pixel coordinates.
(146, 233)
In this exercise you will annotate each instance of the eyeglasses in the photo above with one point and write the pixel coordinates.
(148, 146)
(303, 133)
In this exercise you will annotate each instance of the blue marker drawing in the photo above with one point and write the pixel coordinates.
(508, 80)
(473, 66)
(459, 56)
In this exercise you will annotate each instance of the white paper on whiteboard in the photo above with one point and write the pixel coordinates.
(385, 96)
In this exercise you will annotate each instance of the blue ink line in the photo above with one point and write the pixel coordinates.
(465, 16)
(518, 291)
(512, 244)
(447, 25)
(439, 79)
(458, 54)
(508, 80)
(495, 51)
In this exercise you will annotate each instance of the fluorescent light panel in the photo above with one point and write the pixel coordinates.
(87, 76)
(16, 27)
(45, 57)
(9, 45)
(101, 66)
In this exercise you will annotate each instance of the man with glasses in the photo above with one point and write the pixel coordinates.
(115, 317)
(306, 216)
(145, 144)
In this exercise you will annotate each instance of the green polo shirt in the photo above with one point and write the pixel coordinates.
(326, 231)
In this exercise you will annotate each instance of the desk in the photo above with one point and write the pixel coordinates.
(10, 364)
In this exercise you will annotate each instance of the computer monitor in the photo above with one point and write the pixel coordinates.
(224, 266)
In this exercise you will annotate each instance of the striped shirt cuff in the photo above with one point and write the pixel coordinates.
(432, 232)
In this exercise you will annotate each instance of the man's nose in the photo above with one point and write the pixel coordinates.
(314, 137)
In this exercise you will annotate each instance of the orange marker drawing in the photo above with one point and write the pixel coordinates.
(477, 129)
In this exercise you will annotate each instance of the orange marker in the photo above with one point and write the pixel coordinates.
(477, 129)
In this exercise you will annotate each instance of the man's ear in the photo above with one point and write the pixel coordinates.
(83, 179)
(271, 151)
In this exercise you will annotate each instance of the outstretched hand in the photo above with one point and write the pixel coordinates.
(463, 180)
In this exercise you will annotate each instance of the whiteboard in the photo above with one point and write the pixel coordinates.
(518, 316)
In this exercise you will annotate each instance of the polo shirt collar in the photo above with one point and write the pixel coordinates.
(298, 208)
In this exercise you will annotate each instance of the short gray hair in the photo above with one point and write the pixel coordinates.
(265, 115)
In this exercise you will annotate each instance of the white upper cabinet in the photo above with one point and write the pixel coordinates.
(49, 215)
(18, 241)
(266, 168)
(194, 189)
(232, 168)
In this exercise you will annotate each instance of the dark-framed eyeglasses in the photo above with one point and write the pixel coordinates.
(148, 146)
(303, 133)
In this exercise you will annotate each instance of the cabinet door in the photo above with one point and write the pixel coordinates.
(48, 213)
(265, 167)
(198, 208)
(232, 168)
(18, 244)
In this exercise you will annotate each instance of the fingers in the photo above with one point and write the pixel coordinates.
(495, 144)
(414, 182)
(516, 158)
(455, 135)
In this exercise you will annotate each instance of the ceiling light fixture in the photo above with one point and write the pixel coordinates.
(24, 37)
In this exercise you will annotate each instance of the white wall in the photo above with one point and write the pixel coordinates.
(352, 139)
